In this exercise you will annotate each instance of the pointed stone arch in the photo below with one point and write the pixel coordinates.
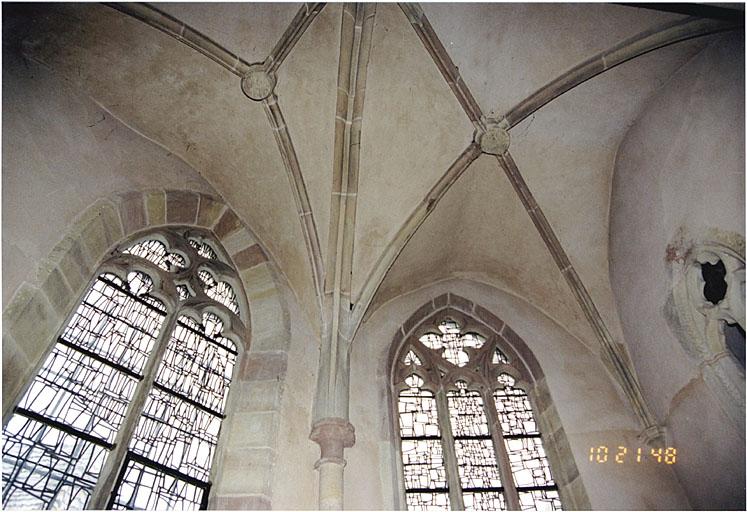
(528, 372)
(245, 458)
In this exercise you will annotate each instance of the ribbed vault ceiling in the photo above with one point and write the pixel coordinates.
(412, 129)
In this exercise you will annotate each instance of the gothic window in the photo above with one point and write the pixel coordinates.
(126, 409)
(468, 436)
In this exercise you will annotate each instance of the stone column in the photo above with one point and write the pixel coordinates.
(332, 435)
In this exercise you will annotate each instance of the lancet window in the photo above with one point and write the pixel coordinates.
(127, 407)
(468, 436)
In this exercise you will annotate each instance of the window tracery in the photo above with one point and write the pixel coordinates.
(148, 326)
(469, 439)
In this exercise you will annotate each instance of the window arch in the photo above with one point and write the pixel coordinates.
(468, 435)
(126, 409)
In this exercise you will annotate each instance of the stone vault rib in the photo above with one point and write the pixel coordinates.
(258, 83)
(445, 65)
(492, 137)
(613, 353)
(292, 34)
(298, 187)
(185, 34)
(331, 404)
(408, 229)
(644, 42)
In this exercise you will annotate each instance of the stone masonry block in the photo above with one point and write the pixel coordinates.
(247, 470)
(57, 291)
(489, 318)
(258, 280)
(95, 240)
(460, 303)
(241, 502)
(264, 366)
(238, 240)
(15, 367)
(258, 395)
(34, 325)
(249, 257)
(422, 312)
(75, 268)
(441, 300)
(268, 316)
(227, 224)
(277, 339)
(209, 211)
(155, 207)
(253, 430)
(132, 212)
(181, 207)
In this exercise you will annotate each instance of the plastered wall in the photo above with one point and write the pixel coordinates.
(61, 152)
(590, 408)
(680, 171)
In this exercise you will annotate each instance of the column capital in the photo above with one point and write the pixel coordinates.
(333, 435)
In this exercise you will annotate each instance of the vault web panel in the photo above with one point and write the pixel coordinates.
(44, 467)
(81, 392)
(115, 325)
(528, 461)
(540, 500)
(146, 488)
(484, 501)
(177, 434)
(515, 412)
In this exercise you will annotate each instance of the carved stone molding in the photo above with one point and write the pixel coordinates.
(699, 324)
(333, 435)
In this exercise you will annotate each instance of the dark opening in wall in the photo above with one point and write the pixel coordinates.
(734, 335)
(715, 285)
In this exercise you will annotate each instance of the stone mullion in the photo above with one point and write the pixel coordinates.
(449, 450)
(501, 454)
(113, 465)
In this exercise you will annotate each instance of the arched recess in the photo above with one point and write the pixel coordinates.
(527, 372)
(246, 454)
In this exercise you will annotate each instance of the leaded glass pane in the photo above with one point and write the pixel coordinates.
(197, 367)
(453, 342)
(545, 499)
(484, 501)
(177, 434)
(477, 465)
(155, 252)
(418, 416)
(219, 291)
(423, 462)
(427, 500)
(515, 412)
(528, 462)
(114, 324)
(467, 414)
(146, 488)
(81, 392)
(44, 467)
(203, 249)
(499, 357)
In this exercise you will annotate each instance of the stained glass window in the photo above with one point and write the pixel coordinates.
(84, 399)
(489, 441)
